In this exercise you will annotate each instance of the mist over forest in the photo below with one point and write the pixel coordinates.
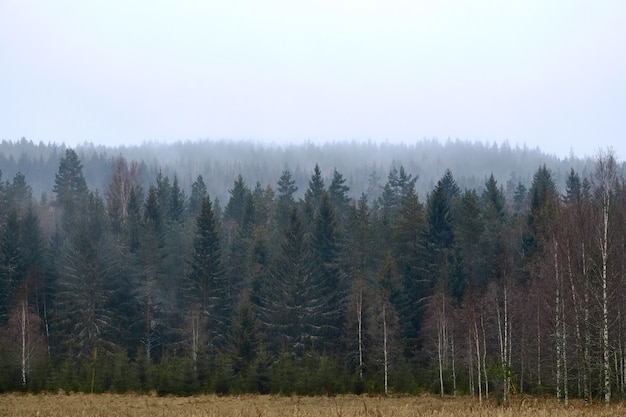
(236, 267)
(364, 165)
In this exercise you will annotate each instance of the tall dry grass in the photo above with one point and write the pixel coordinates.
(110, 405)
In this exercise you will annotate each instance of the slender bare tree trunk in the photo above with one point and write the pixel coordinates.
(538, 348)
(606, 176)
(359, 319)
(195, 339)
(25, 343)
(385, 351)
(564, 352)
(576, 304)
(470, 365)
(441, 341)
(604, 245)
(482, 325)
(503, 337)
(453, 366)
(557, 322)
(587, 341)
(148, 342)
(478, 361)
(506, 364)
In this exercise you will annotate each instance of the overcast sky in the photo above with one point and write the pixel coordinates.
(542, 73)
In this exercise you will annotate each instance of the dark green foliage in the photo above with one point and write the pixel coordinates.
(329, 275)
(12, 267)
(176, 203)
(198, 193)
(207, 288)
(287, 292)
(84, 288)
(338, 193)
(70, 187)
(316, 187)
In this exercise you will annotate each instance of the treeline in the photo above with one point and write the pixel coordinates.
(314, 291)
(364, 165)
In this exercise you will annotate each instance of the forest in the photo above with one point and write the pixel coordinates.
(452, 268)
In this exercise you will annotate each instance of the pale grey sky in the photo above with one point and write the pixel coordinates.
(547, 73)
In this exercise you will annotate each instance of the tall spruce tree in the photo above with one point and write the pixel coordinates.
(70, 187)
(292, 302)
(207, 286)
(330, 275)
(84, 285)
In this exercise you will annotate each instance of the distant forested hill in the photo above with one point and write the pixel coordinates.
(364, 165)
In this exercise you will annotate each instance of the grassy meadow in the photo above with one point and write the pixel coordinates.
(112, 405)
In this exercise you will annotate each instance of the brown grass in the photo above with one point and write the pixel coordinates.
(112, 405)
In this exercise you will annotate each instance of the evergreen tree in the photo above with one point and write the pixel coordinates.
(235, 209)
(12, 267)
(542, 198)
(70, 187)
(327, 247)
(573, 187)
(408, 294)
(245, 341)
(151, 255)
(291, 301)
(286, 201)
(439, 233)
(163, 195)
(176, 203)
(198, 193)
(313, 194)
(84, 290)
(207, 289)
(19, 194)
(493, 196)
(338, 192)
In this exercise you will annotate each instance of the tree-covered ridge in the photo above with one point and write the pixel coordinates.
(364, 166)
(284, 287)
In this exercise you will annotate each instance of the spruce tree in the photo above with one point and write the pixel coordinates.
(70, 187)
(207, 288)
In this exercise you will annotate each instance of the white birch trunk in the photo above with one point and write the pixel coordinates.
(604, 244)
(441, 342)
(557, 323)
(587, 341)
(478, 367)
(25, 344)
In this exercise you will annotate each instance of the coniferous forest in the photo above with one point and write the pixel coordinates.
(241, 268)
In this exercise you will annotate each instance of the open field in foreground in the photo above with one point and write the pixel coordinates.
(112, 405)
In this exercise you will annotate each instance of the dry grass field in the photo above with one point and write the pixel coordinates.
(111, 405)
